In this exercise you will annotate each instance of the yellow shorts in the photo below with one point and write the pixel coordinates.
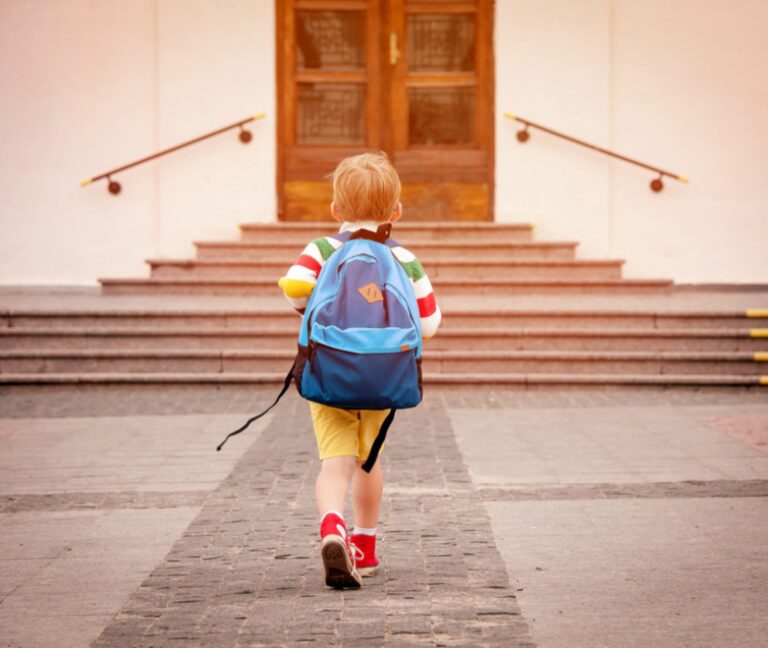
(344, 433)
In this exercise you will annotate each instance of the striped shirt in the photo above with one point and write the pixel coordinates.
(316, 253)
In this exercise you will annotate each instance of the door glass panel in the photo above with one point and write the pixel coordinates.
(330, 113)
(330, 40)
(441, 42)
(441, 115)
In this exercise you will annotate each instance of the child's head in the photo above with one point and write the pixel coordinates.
(366, 188)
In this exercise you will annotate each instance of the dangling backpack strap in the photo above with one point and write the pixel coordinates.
(286, 385)
(379, 441)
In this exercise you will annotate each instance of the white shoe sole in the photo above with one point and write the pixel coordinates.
(340, 573)
(368, 571)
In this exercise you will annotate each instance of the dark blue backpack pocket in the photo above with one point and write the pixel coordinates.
(358, 381)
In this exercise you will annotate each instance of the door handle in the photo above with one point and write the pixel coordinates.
(394, 52)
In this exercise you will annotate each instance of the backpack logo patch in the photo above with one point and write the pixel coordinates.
(371, 293)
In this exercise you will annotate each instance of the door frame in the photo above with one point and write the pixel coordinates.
(381, 101)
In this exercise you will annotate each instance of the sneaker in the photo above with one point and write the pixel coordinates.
(366, 562)
(338, 556)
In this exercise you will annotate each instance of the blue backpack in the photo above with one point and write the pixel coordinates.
(360, 339)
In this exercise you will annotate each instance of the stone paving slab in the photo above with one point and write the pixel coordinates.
(63, 574)
(110, 454)
(633, 561)
(620, 445)
(88, 506)
(670, 573)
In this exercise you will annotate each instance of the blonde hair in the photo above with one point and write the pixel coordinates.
(366, 187)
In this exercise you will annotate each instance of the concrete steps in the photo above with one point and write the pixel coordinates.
(442, 362)
(516, 312)
(413, 233)
(437, 251)
(282, 317)
(461, 258)
(266, 287)
(454, 270)
(499, 347)
(458, 338)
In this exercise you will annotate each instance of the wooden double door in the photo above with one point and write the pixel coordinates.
(409, 77)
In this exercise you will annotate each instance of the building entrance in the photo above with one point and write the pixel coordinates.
(410, 77)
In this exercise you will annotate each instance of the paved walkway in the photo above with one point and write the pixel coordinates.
(512, 518)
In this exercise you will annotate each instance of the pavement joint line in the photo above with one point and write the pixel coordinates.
(637, 490)
(405, 491)
(76, 501)
(66, 401)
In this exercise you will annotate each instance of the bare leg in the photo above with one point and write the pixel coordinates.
(367, 489)
(333, 483)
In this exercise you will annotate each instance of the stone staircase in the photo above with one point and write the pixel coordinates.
(460, 258)
(516, 311)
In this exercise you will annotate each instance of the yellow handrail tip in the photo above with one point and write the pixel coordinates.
(260, 115)
(764, 380)
(684, 179)
(758, 333)
(761, 356)
(757, 312)
(85, 183)
(510, 115)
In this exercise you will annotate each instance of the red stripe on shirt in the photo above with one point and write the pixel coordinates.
(427, 305)
(310, 263)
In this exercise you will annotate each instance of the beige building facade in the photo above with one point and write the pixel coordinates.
(90, 85)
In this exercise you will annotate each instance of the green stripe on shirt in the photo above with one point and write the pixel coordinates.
(326, 249)
(413, 269)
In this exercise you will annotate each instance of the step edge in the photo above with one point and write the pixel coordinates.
(463, 378)
(402, 226)
(731, 314)
(544, 356)
(213, 281)
(450, 332)
(564, 263)
(437, 244)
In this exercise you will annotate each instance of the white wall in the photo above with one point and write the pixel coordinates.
(86, 85)
(682, 85)
(89, 85)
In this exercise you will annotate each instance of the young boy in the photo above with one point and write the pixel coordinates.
(366, 194)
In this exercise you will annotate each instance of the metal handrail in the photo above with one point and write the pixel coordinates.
(115, 187)
(656, 184)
